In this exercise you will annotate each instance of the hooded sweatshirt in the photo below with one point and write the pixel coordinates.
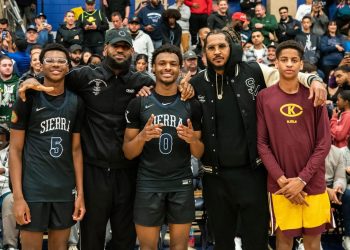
(229, 124)
(151, 15)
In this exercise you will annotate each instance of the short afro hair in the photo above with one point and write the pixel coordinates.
(167, 48)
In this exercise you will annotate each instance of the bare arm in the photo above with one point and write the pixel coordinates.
(192, 137)
(20, 207)
(79, 206)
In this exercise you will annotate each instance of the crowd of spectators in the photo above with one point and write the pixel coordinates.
(324, 35)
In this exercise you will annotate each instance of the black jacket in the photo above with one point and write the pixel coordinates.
(245, 79)
(216, 21)
(93, 37)
(68, 37)
(106, 97)
(171, 36)
(288, 30)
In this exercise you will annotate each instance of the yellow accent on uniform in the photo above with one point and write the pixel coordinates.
(288, 216)
(14, 117)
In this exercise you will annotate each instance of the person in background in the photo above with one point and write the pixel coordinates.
(235, 27)
(202, 34)
(95, 59)
(8, 89)
(75, 54)
(85, 55)
(248, 6)
(309, 41)
(94, 24)
(219, 19)
(150, 20)
(340, 121)
(190, 64)
(142, 42)
(303, 10)
(184, 23)
(20, 56)
(246, 33)
(35, 67)
(346, 198)
(9, 231)
(342, 15)
(141, 65)
(117, 20)
(44, 30)
(319, 18)
(335, 174)
(120, 6)
(258, 52)
(288, 27)
(331, 48)
(170, 29)
(271, 54)
(200, 10)
(68, 33)
(267, 23)
(32, 37)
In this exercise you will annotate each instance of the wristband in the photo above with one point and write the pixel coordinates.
(302, 181)
(314, 78)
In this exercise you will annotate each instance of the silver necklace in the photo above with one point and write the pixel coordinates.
(219, 95)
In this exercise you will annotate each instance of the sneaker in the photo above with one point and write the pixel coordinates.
(301, 246)
(238, 243)
(346, 242)
(72, 247)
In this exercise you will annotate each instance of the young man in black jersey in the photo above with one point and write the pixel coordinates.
(46, 158)
(164, 131)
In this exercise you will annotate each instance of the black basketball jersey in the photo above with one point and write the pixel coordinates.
(165, 163)
(48, 171)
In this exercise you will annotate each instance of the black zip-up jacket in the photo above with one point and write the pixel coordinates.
(93, 37)
(68, 37)
(245, 79)
(106, 97)
(288, 30)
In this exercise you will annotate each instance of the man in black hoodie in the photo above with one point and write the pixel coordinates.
(234, 182)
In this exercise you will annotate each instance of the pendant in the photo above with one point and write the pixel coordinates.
(219, 96)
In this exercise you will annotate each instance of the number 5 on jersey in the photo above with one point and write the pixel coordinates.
(56, 149)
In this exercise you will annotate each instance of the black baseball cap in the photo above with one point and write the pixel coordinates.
(121, 35)
(90, 1)
(75, 47)
(273, 45)
(134, 19)
(189, 55)
(41, 15)
(32, 27)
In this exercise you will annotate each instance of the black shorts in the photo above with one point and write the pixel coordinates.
(49, 215)
(156, 208)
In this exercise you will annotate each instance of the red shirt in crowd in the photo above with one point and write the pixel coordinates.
(205, 6)
(340, 129)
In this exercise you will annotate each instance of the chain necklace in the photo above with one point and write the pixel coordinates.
(219, 95)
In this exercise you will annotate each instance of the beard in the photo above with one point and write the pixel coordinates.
(238, 28)
(75, 60)
(113, 64)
